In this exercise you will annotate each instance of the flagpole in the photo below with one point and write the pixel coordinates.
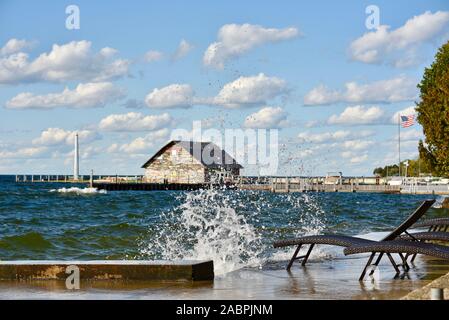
(399, 142)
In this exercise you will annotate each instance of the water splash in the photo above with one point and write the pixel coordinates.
(79, 191)
(207, 226)
(233, 228)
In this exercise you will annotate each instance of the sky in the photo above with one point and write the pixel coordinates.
(330, 77)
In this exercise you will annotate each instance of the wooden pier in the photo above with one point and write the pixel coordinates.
(148, 186)
(269, 184)
(55, 178)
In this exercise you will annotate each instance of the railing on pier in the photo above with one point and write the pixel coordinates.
(295, 184)
(46, 178)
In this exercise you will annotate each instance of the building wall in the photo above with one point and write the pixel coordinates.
(175, 165)
(222, 176)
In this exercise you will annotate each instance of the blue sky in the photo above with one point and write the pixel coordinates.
(312, 70)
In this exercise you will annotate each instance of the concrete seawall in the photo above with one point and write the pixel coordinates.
(109, 270)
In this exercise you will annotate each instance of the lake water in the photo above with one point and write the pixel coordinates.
(234, 228)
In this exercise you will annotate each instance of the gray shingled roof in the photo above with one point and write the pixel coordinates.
(207, 153)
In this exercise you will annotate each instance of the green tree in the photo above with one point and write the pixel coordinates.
(415, 168)
(433, 114)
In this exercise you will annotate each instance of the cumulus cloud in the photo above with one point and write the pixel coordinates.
(359, 159)
(30, 152)
(14, 46)
(152, 56)
(324, 137)
(183, 49)
(57, 136)
(358, 115)
(234, 40)
(250, 91)
(87, 95)
(142, 144)
(398, 47)
(172, 96)
(134, 121)
(267, 118)
(383, 91)
(404, 112)
(411, 135)
(72, 61)
(341, 139)
(357, 145)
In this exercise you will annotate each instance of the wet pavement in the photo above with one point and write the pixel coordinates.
(328, 279)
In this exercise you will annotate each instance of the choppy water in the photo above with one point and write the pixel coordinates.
(235, 228)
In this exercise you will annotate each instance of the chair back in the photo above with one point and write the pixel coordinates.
(411, 220)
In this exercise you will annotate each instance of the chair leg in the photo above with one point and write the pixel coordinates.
(294, 257)
(362, 276)
(304, 261)
(413, 258)
(379, 258)
(395, 266)
(405, 265)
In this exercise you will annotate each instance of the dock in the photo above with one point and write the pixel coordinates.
(148, 186)
(269, 184)
(109, 270)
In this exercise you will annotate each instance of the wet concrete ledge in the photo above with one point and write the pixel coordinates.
(108, 270)
(424, 292)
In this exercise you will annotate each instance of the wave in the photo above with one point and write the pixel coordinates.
(439, 202)
(30, 240)
(79, 191)
(207, 226)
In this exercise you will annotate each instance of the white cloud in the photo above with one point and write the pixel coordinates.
(152, 56)
(405, 112)
(358, 115)
(142, 144)
(14, 46)
(183, 49)
(354, 157)
(172, 96)
(31, 152)
(357, 145)
(267, 118)
(250, 91)
(339, 140)
(134, 121)
(108, 52)
(398, 47)
(384, 91)
(243, 92)
(410, 135)
(234, 40)
(57, 136)
(359, 159)
(324, 137)
(87, 95)
(71, 61)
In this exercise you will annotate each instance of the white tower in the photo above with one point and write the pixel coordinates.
(76, 167)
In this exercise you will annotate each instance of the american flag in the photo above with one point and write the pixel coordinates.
(407, 121)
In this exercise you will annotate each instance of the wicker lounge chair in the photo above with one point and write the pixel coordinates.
(347, 241)
(438, 224)
(400, 247)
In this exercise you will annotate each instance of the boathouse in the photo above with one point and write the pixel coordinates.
(188, 162)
